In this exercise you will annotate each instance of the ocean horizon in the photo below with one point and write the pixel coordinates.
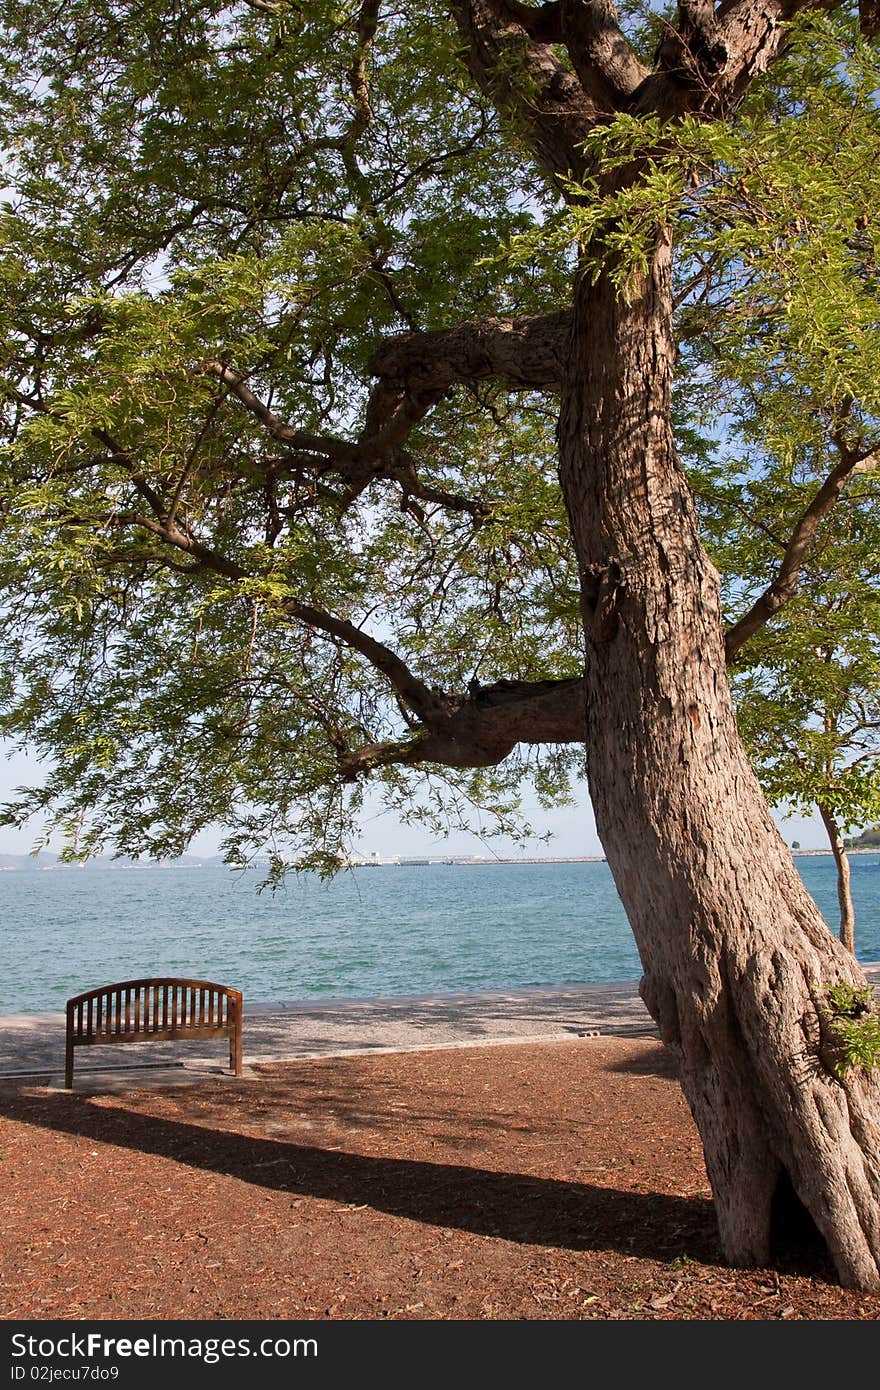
(375, 932)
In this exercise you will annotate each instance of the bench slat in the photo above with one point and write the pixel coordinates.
(164, 1035)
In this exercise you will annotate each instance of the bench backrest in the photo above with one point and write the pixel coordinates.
(160, 1008)
(157, 1009)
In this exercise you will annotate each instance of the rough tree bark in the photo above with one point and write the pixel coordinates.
(736, 955)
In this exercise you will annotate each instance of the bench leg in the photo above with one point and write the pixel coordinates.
(235, 1050)
(68, 1065)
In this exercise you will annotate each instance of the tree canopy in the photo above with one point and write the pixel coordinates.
(214, 218)
(235, 576)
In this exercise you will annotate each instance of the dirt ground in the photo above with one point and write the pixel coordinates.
(539, 1181)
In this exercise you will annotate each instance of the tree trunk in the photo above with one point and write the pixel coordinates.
(844, 888)
(736, 956)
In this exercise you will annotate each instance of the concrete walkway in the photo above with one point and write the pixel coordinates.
(32, 1045)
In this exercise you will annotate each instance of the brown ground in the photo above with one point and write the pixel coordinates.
(559, 1180)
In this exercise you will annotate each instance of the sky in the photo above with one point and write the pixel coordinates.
(573, 829)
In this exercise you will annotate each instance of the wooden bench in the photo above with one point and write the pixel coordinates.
(160, 1010)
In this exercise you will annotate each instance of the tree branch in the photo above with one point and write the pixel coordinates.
(368, 20)
(429, 705)
(869, 18)
(541, 22)
(522, 353)
(414, 371)
(527, 81)
(326, 445)
(480, 730)
(708, 61)
(784, 585)
(604, 60)
(178, 540)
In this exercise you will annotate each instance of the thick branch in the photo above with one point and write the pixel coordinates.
(481, 730)
(524, 353)
(541, 22)
(368, 20)
(606, 64)
(415, 371)
(704, 64)
(707, 63)
(869, 18)
(527, 81)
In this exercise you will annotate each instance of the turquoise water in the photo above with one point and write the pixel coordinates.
(371, 932)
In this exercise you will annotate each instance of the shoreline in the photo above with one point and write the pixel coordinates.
(28, 864)
(32, 1045)
(335, 1003)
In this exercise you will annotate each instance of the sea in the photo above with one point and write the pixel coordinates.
(372, 932)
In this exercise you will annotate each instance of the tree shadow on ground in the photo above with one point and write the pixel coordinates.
(518, 1207)
(658, 1062)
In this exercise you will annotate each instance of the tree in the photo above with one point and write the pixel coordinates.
(237, 582)
(807, 684)
(808, 710)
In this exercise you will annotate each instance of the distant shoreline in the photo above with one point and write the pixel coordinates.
(25, 863)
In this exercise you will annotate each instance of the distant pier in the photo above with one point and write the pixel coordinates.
(403, 861)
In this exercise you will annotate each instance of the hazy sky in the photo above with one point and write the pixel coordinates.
(574, 830)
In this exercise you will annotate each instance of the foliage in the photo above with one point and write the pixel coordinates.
(276, 191)
(868, 838)
(197, 185)
(779, 392)
(809, 709)
(854, 1022)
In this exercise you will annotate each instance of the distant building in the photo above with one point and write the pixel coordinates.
(375, 860)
